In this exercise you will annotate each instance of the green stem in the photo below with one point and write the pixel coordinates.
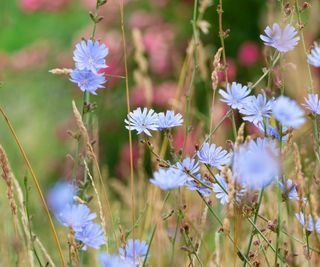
(254, 221)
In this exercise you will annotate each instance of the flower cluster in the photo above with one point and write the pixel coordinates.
(144, 121)
(78, 217)
(89, 57)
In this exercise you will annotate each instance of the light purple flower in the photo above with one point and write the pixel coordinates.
(107, 260)
(87, 80)
(214, 156)
(90, 56)
(204, 187)
(167, 179)
(256, 109)
(188, 165)
(283, 40)
(76, 216)
(142, 121)
(169, 120)
(313, 103)
(301, 218)
(134, 252)
(235, 96)
(256, 164)
(288, 112)
(314, 57)
(290, 190)
(91, 235)
(60, 195)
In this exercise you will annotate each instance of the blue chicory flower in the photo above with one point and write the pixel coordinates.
(134, 252)
(283, 40)
(288, 112)
(107, 260)
(142, 121)
(76, 216)
(90, 55)
(214, 156)
(256, 164)
(314, 57)
(256, 109)
(91, 235)
(313, 103)
(169, 120)
(235, 96)
(170, 178)
(60, 195)
(87, 80)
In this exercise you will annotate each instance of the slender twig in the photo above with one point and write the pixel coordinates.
(36, 181)
(128, 110)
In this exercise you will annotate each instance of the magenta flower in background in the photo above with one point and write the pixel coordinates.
(283, 40)
(248, 54)
(90, 55)
(231, 71)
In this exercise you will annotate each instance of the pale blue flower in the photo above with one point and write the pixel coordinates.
(313, 103)
(134, 252)
(235, 96)
(142, 121)
(221, 188)
(283, 40)
(60, 195)
(188, 165)
(273, 132)
(289, 189)
(256, 164)
(76, 216)
(301, 218)
(256, 109)
(214, 156)
(87, 80)
(170, 178)
(169, 120)
(107, 260)
(90, 55)
(204, 187)
(314, 57)
(91, 235)
(288, 112)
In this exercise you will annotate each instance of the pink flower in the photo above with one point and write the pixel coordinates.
(231, 71)
(248, 54)
(31, 5)
(164, 94)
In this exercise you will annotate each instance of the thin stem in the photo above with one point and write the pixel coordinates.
(254, 221)
(128, 110)
(36, 181)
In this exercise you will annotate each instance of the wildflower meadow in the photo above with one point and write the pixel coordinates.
(159, 133)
